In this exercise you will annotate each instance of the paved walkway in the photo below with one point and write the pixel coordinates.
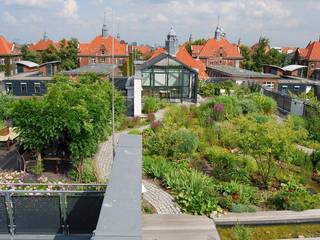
(269, 217)
(159, 199)
(178, 227)
(103, 157)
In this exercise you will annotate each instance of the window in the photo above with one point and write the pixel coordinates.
(173, 79)
(284, 88)
(1, 61)
(296, 89)
(103, 60)
(146, 79)
(23, 87)
(103, 52)
(159, 79)
(93, 60)
(37, 88)
(8, 87)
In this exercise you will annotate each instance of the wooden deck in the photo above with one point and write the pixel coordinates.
(178, 227)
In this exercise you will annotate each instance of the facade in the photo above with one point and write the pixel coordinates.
(99, 50)
(170, 73)
(295, 85)
(27, 84)
(241, 75)
(218, 51)
(290, 70)
(9, 55)
(309, 57)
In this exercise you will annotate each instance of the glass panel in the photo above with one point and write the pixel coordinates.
(159, 79)
(37, 214)
(83, 213)
(173, 79)
(167, 62)
(3, 216)
(146, 79)
(186, 79)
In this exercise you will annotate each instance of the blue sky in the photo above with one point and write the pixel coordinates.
(285, 22)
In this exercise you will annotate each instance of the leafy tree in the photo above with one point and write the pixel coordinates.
(274, 57)
(77, 115)
(30, 55)
(259, 56)
(128, 68)
(50, 54)
(247, 55)
(68, 54)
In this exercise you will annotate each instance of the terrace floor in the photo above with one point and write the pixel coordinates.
(178, 227)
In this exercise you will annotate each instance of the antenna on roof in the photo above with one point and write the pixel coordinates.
(104, 26)
(45, 36)
(218, 20)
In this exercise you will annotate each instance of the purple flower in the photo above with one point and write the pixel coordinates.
(219, 107)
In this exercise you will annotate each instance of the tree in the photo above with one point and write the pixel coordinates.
(50, 54)
(77, 115)
(68, 53)
(128, 68)
(274, 57)
(247, 57)
(259, 56)
(30, 55)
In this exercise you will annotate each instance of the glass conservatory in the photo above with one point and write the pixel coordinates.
(167, 78)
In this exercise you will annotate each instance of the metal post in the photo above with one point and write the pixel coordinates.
(112, 76)
(9, 207)
(63, 210)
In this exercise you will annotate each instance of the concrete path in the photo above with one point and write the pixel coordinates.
(178, 227)
(159, 199)
(269, 217)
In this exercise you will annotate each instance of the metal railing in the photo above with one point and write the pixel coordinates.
(58, 211)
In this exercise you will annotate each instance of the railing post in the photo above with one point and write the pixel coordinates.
(9, 206)
(63, 210)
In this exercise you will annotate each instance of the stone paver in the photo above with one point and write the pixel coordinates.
(178, 227)
(269, 217)
(103, 158)
(160, 199)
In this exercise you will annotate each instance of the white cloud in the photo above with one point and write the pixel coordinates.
(9, 18)
(29, 3)
(70, 9)
(160, 18)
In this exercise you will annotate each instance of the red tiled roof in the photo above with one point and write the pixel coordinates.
(184, 56)
(143, 49)
(95, 45)
(212, 47)
(196, 49)
(42, 45)
(311, 52)
(7, 48)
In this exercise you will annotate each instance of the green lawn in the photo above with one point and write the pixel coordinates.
(1, 124)
(274, 232)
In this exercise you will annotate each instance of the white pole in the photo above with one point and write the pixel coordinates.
(113, 93)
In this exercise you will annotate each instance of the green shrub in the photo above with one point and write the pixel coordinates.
(181, 116)
(297, 122)
(243, 208)
(172, 144)
(183, 142)
(248, 106)
(235, 193)
(194, 191)
(84, 173)
(241, 232)
(295, 197)
(265, 104)
(228, 166)
(316, 160)
(151, 105)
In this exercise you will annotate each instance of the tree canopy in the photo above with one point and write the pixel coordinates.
(75, 114)
(67, 53)
(255, 58)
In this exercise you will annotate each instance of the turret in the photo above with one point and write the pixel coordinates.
(172, 44)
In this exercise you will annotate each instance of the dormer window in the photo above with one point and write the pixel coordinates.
(103, 52)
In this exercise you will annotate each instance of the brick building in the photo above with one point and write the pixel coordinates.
(99, 50)
(9, 55)
(218, 51)
(310, 57)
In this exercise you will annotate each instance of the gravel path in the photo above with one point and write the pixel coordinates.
(160, 199)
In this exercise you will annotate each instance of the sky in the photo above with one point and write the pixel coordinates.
(285, 22)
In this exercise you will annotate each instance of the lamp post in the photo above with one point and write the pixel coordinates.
(113, 92)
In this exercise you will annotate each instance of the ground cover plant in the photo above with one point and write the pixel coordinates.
(232, 153)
